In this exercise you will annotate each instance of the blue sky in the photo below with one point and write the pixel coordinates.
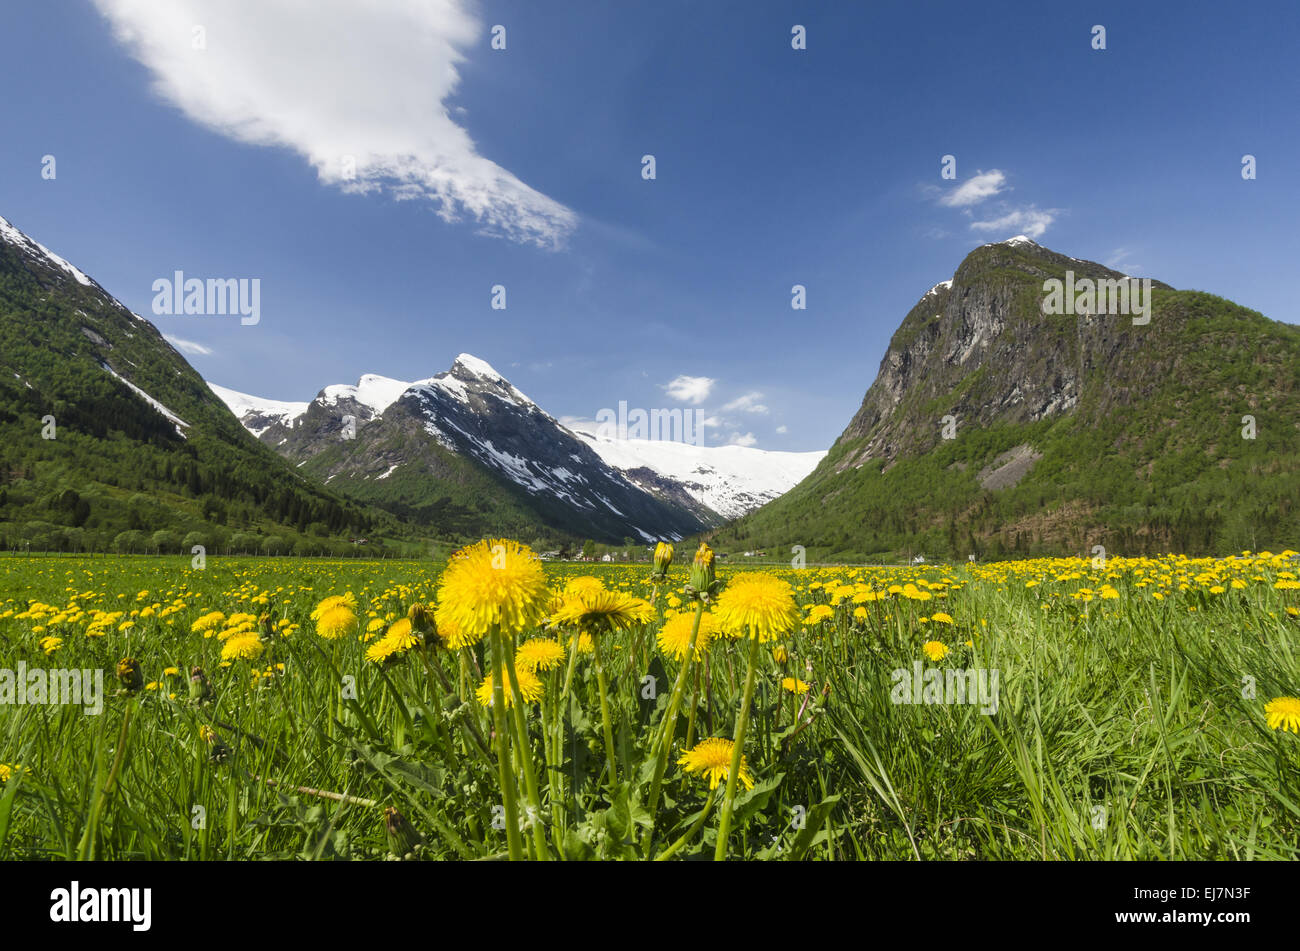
(774, 167)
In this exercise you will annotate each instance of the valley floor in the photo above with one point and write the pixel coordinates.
(1044, 709)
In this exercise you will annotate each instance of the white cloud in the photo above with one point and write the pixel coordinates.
(690, 389)
(188, 346)
(583, 423)
(748, 403)
(1031, 222)
(975, 190)
(782, 430)
(337, 78)
(748, 439)
(1118, 259)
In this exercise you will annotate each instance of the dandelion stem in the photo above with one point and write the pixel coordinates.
(690, 833)
(505, 774)
(526, 756)
(733, 773)
(664, 738)
(604, 715)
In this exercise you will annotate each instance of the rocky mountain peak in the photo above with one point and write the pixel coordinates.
(981, 345)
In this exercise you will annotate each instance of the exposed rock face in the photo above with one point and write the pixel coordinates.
(983, 337)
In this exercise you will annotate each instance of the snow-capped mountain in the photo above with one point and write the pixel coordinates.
(444, 449)
(407, 439)
(729, 480)
(258, 415)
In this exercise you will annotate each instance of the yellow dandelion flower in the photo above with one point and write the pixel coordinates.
(943, 617)
(207, 623)
(675, 636)
(400, 638)
(348, 601)
(818, 613)
(597, 611)
(539, 653)
(584, 584)
(1284, 713)
(335, 622)
(794, 685)
(935, 650)
(7, 771)
(757, 604)
(780, 654)
(51, 643)
(712, 758)
(242, 647)
(530, 687)
(493, 582)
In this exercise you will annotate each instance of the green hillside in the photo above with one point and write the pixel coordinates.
(118, 474)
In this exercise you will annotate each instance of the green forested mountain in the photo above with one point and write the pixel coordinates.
(109, 440)
(1067, 430)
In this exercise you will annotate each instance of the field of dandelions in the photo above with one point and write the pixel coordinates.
(297, 709)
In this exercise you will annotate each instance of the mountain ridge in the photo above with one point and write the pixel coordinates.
(644, 495)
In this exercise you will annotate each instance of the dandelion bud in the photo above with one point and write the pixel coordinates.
(200, 689)
(663, 557)
(128, 672)
(702, 573)
(403, 839)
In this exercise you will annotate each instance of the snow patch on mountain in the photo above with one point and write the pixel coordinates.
(730, 480)
(171, 417)
(372, 391)
(258, 414)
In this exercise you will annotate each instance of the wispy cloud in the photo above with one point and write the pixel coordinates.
(975, 190)
(690, 389)
(188, 346)
(1031, 222)
(358, 89)
(748, 403)
(742, 439)
(1118, 260)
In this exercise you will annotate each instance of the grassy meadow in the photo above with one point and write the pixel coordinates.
(1038, 709)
